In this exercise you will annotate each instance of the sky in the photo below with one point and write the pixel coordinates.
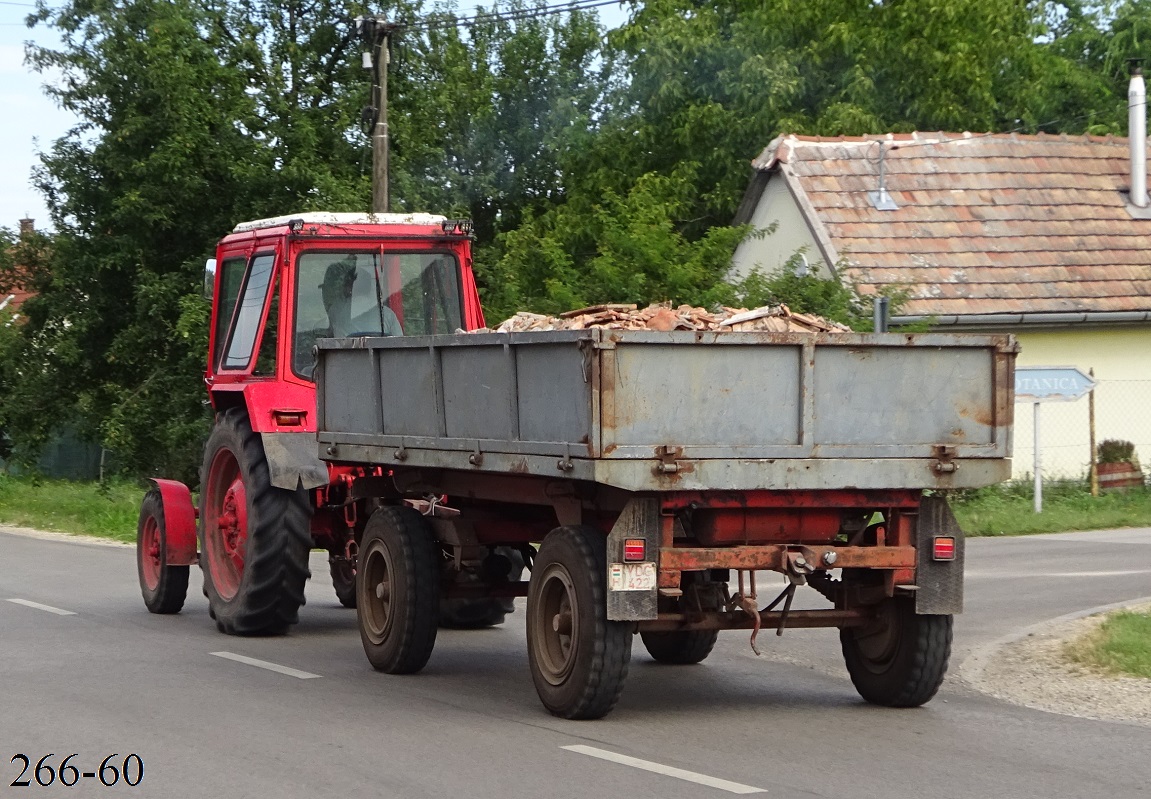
(30, 120)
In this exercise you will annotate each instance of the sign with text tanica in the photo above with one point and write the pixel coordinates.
(1036, 384)
(1051, 383)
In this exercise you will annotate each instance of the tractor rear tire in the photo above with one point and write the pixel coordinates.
(343, 580)
(899, 658)
(398, 590)
(578, 659)
(164, 587)
(254, 537)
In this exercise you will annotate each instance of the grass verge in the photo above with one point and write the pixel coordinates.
(108, 510)
(1121, 645)
(111, 509)
(1008, 509)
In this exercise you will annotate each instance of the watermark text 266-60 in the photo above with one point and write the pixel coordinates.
(112, 770)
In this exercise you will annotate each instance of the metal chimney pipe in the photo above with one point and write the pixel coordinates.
(1137, 133)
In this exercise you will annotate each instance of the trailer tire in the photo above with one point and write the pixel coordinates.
(680, 648)
(254, 537)
(578, 674)
(164, 587)
(478, 614)
(397, 590)
(684, 648)
(343, 580)
(899, 659)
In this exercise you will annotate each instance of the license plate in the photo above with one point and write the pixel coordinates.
(631, 577)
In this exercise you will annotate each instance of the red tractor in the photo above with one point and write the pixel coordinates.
(266, 499)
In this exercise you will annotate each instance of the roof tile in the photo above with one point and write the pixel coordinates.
(986, 224)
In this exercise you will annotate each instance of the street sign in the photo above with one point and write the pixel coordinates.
(1051, 383)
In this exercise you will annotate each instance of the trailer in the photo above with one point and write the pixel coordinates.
(645, 478)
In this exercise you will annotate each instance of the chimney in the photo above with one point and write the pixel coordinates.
(27, 227)
(1137, 133)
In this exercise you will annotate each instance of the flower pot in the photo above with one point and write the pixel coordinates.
(1120, 476)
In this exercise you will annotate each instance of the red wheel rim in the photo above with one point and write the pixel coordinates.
(151, 554)
(226, 524)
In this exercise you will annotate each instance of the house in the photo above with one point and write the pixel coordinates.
(1006, 233)
(15, 296)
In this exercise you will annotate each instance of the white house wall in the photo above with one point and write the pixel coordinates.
(1122, 363)
(770, 253)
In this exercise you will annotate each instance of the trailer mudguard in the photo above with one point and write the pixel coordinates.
(179, 522)
(940, 582)
(640, 519)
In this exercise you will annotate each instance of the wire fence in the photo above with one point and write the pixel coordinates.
(1122, 411)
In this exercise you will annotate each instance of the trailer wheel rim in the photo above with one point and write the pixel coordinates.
(378, 586)
(878, 641)
(556, 625)
(226, 528)
(151, 554)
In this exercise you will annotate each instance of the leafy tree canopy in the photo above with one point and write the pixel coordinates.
(597, 166)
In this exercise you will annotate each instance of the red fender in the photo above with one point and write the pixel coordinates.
(179, 522)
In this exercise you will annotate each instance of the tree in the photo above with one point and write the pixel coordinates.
(137, 192)
(707, 85)
(196, 114)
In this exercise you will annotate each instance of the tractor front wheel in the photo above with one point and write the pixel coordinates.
(254, 537)
(164, 587)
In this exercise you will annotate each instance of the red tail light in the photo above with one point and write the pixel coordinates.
(634, 549)
(288, 418)
(943, 548)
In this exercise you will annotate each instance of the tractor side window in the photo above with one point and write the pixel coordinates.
(247, 318)
(231, 278)
(266, 359)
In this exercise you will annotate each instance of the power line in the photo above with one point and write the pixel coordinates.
(527, 13)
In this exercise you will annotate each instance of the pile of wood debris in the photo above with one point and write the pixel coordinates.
(662, 317)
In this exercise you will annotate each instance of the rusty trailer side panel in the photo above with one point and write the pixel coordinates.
(679, 411)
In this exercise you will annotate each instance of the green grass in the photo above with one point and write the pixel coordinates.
(1008, 509)
(108, 510)
(1121, 645)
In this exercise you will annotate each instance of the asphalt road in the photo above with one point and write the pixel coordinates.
(112, 678)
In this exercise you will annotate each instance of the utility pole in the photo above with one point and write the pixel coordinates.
(376, 32)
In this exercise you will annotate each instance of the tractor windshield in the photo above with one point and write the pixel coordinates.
(344, 294)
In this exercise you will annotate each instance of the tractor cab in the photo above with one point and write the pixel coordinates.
(280, 284)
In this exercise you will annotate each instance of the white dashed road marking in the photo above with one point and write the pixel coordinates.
(30, 604)
(973, 575)
(263, 664)
(659, 768)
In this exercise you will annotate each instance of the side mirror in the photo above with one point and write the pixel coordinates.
(209, 279)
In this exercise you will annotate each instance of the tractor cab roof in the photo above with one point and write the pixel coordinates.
(328, 218)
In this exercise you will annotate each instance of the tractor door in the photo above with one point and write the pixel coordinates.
(245, 317)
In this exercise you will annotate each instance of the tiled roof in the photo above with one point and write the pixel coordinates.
(986, 224)
(15, 297)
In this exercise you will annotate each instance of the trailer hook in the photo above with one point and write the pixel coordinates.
(748, 604)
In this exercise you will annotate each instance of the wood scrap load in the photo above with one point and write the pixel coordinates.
(662, 317)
